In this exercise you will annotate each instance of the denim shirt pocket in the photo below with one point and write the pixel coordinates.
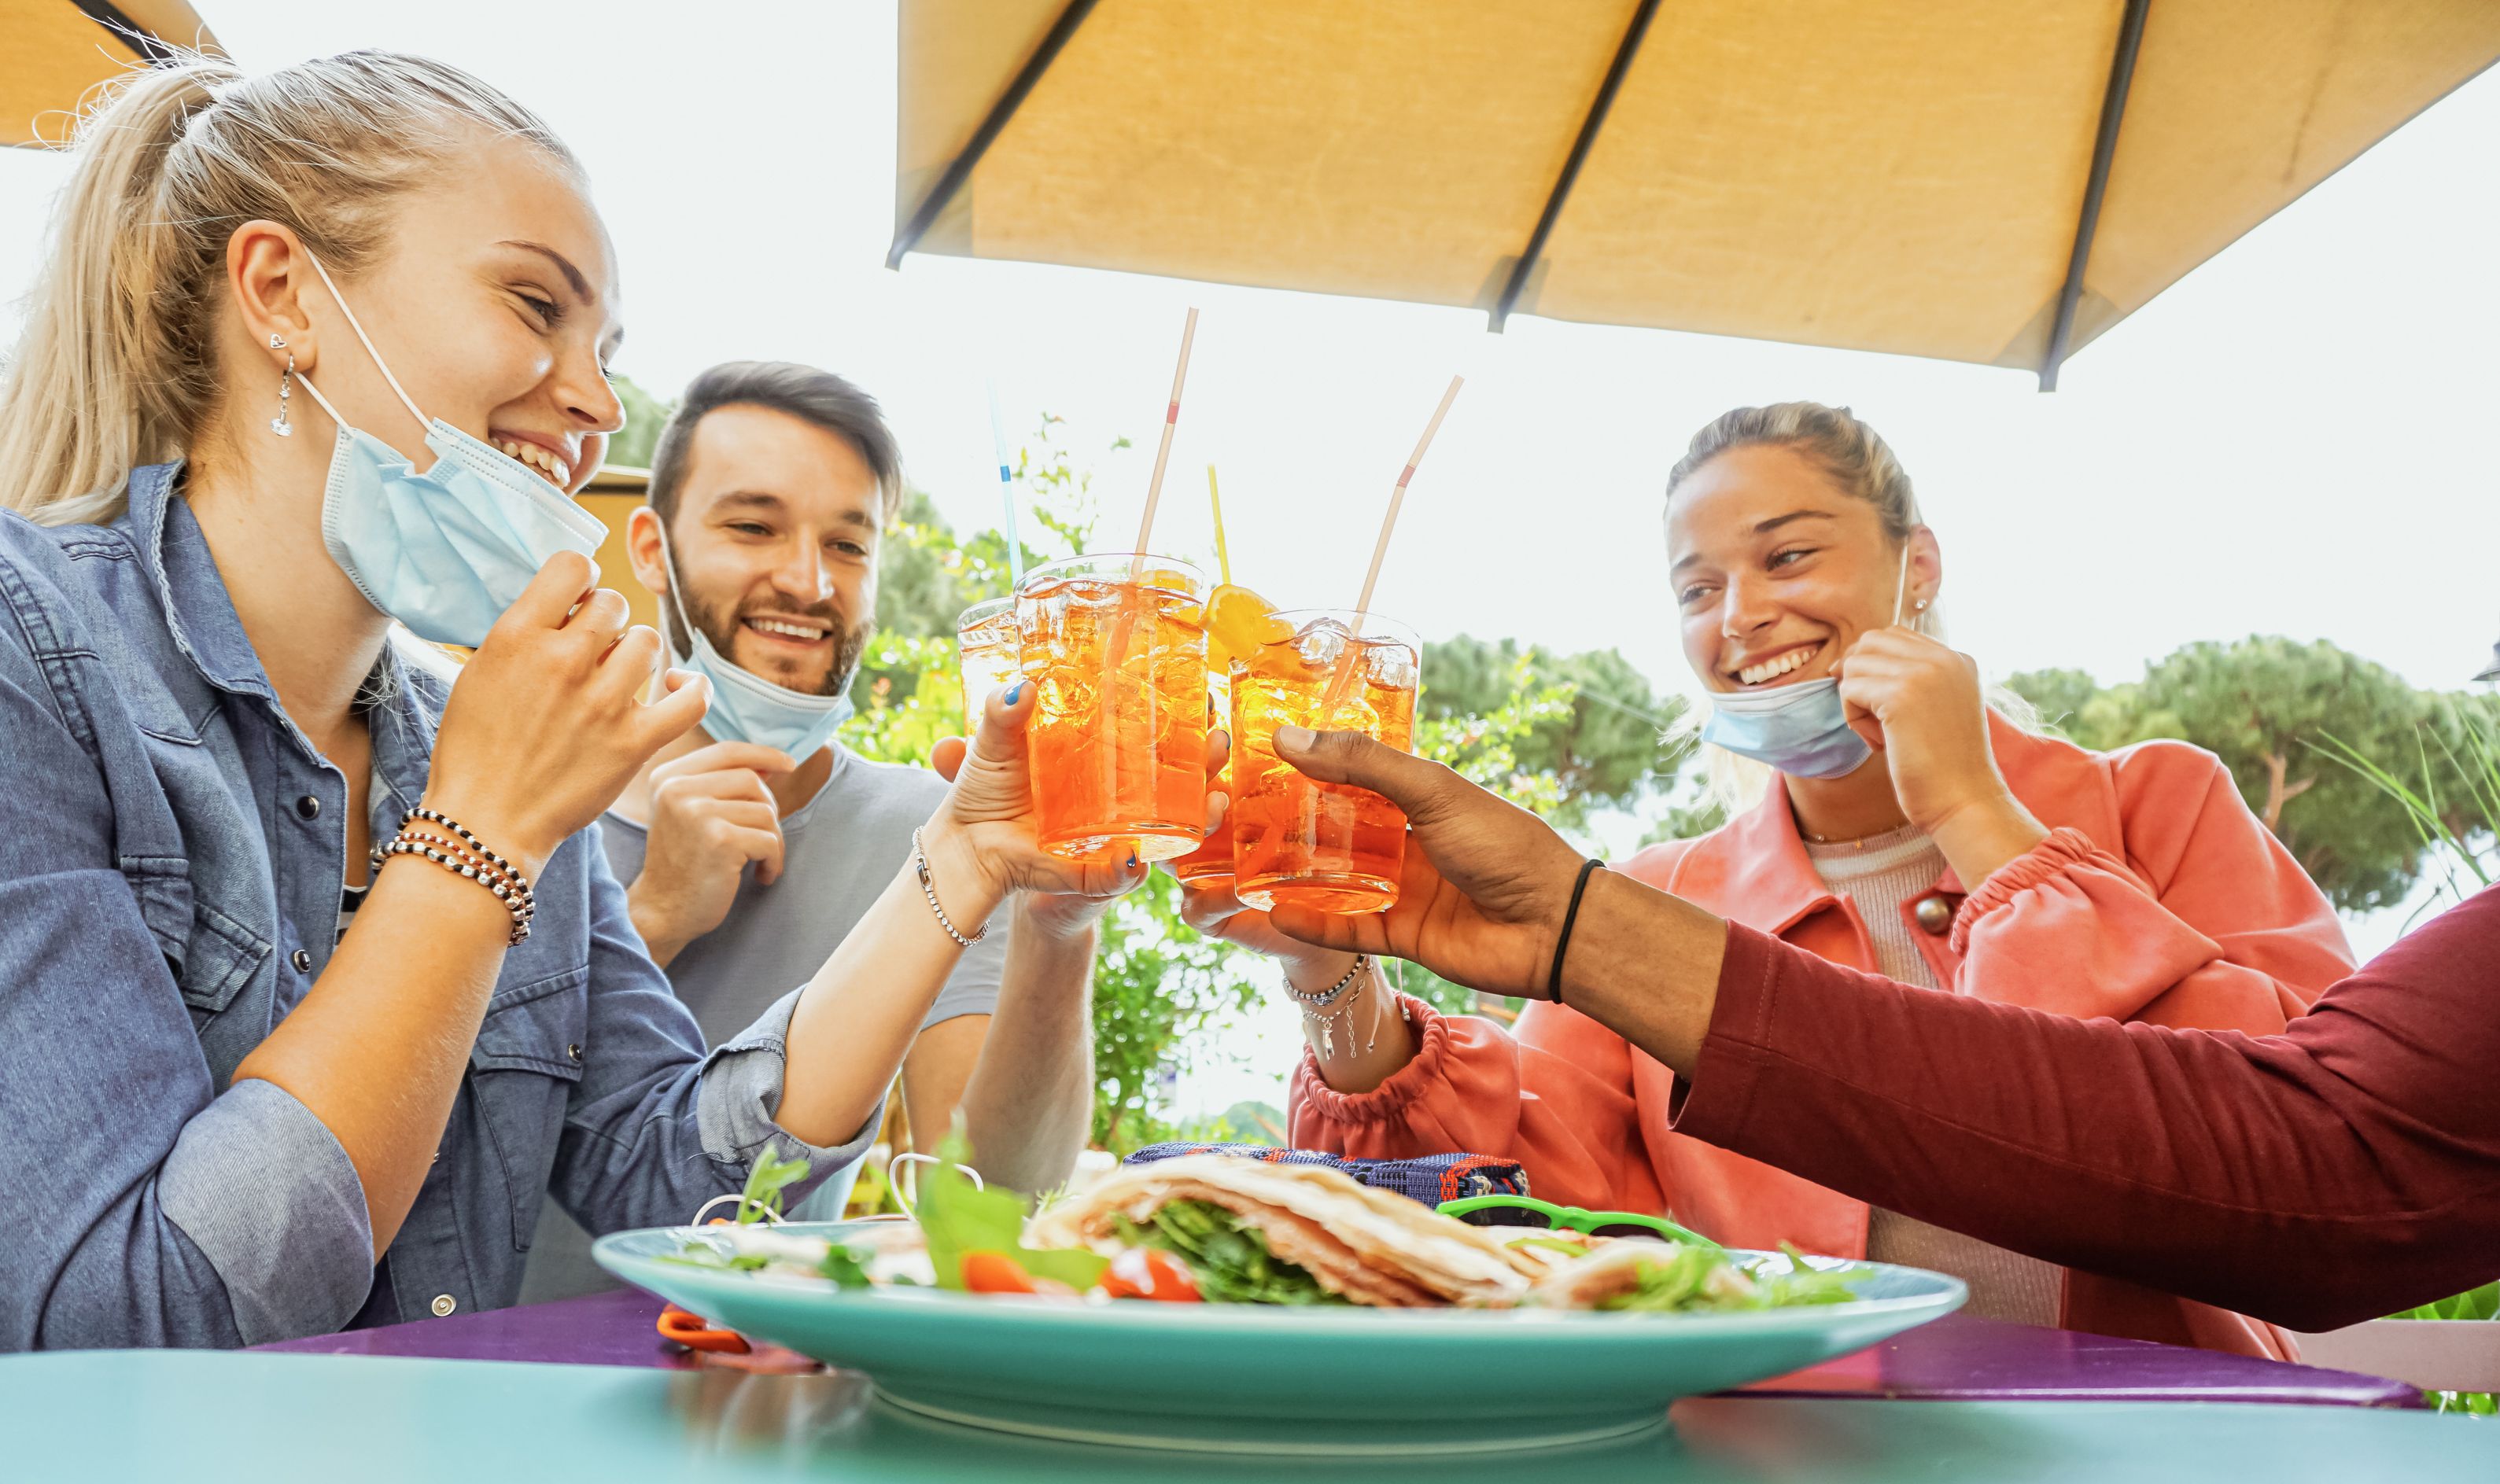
(522, 1071)
(219, 958)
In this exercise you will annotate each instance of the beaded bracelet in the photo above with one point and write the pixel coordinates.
(470, 859)
(511, 880)
(473, 842)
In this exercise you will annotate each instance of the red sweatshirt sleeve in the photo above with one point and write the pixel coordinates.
(2339, 1171)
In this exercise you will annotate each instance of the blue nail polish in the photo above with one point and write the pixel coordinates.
(1013, 691)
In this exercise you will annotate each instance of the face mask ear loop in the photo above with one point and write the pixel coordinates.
(677, 580)
(1901, 589)
(307, 383)
(423, 423)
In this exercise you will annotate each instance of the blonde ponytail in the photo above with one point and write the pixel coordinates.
(116, 365)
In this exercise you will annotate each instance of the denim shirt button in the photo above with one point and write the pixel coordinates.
(308, 807)
(574, 1050)
(444, 1305)
(303, 962)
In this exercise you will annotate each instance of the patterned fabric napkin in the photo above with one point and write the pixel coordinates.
(1430, 1179)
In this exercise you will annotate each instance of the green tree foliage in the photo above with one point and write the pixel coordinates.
(1159, 989)
(1600, 750)
(631, 447)
(2264, 705)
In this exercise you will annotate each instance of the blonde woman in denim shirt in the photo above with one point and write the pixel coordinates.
(254, 1086)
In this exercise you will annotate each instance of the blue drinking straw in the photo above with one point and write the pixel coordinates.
(1007, 491)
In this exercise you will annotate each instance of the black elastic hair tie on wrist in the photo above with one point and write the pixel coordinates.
(1570, 914)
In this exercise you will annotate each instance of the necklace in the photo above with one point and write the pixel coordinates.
(1857, 842)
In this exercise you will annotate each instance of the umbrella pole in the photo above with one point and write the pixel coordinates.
(1562, 183)
(960, 169)
(2130, 38)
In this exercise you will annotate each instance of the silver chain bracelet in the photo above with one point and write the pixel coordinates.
(1335, 1004)
(929, 889)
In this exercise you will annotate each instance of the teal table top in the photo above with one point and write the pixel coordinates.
(270, 1419)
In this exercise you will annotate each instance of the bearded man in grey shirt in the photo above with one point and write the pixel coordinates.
(745, 865)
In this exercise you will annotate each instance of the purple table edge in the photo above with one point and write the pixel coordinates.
(1956, 1359)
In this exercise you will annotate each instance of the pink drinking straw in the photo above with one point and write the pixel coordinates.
(1163, 450)
(1380, 548)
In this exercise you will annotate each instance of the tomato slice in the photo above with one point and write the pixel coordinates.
(1150, 1273)
(996, 1273)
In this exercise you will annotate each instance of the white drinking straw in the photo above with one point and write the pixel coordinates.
(1006, 492)
(1163, 450)
(1397, 498)
(1380, 548)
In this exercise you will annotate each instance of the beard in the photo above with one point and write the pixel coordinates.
(720, 625)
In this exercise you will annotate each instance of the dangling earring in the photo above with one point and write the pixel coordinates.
(285, 379)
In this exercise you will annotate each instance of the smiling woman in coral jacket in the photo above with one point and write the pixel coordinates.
(1906, 829)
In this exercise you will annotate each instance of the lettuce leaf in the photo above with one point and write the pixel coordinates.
(957, 1217)
(1232, 1262)
(1706, 1280)
(763, 1193)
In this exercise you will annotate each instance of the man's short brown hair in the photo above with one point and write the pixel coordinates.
(816, 397)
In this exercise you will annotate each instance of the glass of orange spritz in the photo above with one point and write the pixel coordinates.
(1119, 738)
(1332, 847)
(1238, 622)
(985, 639)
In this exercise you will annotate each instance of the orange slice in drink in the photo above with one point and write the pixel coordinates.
(1238, 622)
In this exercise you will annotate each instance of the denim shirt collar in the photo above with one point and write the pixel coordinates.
(201, 614)
(197, 609)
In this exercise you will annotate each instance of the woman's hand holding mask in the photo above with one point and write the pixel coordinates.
(546, 723)
(1918, 704)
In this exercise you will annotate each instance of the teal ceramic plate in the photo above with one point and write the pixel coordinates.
(1332, 1381)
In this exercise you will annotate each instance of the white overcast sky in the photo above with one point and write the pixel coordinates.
(2298, 438)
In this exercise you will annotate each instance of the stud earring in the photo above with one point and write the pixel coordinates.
(1922, 605)
(285, 388)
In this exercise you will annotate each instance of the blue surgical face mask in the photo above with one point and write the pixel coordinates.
(446, 551)
(1802, 729)
(746, 707)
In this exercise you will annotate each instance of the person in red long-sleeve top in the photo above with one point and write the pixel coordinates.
(2340, 1170)
(1890, 821)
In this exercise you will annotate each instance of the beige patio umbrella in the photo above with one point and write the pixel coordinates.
(1988, 180)
(51, 51)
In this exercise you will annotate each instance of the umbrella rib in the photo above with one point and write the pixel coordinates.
(1517, 283)
(2130, 38)
(960, 169)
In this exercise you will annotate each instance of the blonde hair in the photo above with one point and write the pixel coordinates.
(1863, 465)
(116, 365)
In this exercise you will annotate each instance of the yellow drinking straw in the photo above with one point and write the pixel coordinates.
(1223, 561)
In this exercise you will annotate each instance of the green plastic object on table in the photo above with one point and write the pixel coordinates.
(205, 1418)
(1589, 1223)
(1256, 1376)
